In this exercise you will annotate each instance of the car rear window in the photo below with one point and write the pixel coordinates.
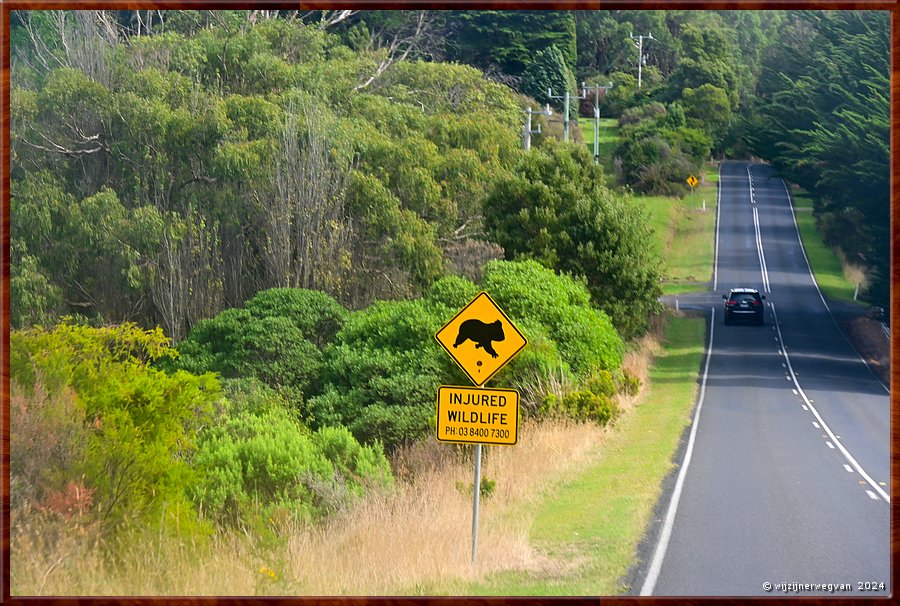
(744, 296)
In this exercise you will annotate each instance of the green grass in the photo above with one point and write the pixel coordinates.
(593, 523)
(685, 235)
(826, 265)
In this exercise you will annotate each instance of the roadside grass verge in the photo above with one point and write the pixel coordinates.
(685, 235)
(835, 276)
(589, 525)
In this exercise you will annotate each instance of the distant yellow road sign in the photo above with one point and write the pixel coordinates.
(692, 181)
(481, 339)
(477, 415)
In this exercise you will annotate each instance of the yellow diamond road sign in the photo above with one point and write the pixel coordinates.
(692, 181)
(481, 338)
(477, 415)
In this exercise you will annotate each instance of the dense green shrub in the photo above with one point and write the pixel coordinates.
(585, 336)
(382, 372)
(315, 314)
(139, 424)
(548, 72)
(583, 406)
(277, 337)
(255, 462)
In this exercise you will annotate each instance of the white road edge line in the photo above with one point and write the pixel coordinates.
(666, 534)
(827, 429)
(816, 284)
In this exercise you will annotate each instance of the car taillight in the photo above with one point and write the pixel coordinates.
(730, 303)
(756, 303)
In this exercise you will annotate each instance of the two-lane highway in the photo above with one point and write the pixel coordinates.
(786, 473)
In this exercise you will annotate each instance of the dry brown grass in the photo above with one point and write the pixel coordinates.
(853, 273)
(396, 543)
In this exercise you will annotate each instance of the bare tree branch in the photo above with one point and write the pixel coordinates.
(402, 45)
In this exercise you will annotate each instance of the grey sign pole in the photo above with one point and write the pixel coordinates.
(476, 488)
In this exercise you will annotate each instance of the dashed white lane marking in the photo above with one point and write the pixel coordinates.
(804, 407)
(816, 425)
(872, 495)
(848, 468)
(830, 445)
(795, 393)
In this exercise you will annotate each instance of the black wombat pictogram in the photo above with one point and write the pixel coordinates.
(482, 334)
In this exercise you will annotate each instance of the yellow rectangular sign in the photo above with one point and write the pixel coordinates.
(477, 416)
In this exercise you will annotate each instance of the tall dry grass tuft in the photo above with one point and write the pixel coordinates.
(639, 359)
(420, 535)
(853, 273)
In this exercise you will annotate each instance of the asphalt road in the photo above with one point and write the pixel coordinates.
(788, 474)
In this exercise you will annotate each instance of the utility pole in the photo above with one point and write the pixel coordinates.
(596, 88)
(566, 97)
(527, 132)
(640, 46)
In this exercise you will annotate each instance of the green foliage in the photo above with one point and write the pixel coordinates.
(510, 39)
(255, 462)
(548, 73)
(560, 305)
(157, 177)
(557, 210)
(822, 120)
(382, 371)
(277, 337)
(622, 95)
(486, 488)
(709, 56)
(141, 423)
(583, 406)
(707, 108)
(33, 299)
(656, 149)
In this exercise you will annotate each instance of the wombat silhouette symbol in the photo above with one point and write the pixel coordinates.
(481, 333)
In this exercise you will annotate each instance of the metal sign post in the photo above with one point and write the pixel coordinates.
(477, 490)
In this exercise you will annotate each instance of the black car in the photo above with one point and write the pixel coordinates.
(744, 304)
